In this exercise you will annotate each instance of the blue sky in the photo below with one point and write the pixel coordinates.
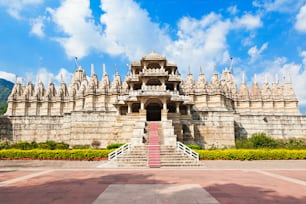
(40, 38)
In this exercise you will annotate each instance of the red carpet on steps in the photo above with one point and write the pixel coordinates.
(154, 147)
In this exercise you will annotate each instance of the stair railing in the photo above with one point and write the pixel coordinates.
(186, 150)
(120, 151)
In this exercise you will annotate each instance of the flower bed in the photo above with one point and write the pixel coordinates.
(75, 154)
(252, 154)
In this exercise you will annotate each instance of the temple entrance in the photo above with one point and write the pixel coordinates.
(154, 112)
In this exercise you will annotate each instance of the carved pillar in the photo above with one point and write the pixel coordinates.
(129, 107)
(177, 107)
(188, 109)
(141, 105)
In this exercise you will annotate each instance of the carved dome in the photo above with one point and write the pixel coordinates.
(153, 56)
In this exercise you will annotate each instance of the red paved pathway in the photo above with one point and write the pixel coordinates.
(154, 147)
(84, 186)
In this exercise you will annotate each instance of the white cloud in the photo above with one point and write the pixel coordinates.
(14, 8)
(303, 55)
(38, 26)
(64, 75)
(126, 29)
(233, 10)
(287, 71)
(130, 29)
(44, 76)
(203, 41)
(200, 42)
(8, 76)
(254, 52)
(300, 23)
(248, 21)
(283, 6)
(74, 18)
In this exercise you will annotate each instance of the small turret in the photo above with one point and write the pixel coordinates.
(255, 93)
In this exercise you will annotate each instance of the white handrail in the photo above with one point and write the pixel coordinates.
(186, 150)
(120, 151)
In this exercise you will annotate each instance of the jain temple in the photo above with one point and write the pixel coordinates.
(208, 112)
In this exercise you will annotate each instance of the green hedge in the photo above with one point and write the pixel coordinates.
(193, 146)
(253, 154)
(92, 154)
(114, 146)
(262, 140)
(75, 154)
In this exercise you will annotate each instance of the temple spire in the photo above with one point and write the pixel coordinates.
(215, 68)
(49, 78)
(231, 65)
(62, 78)
(76, 63)
(243, 77)
(92, 67)
(104, 70)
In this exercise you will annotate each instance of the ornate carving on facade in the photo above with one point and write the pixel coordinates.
(215, 84)
(152, 90)
(243, 92)
(51, 91)
(266, 92)
(188, 85)
(201, 84)
(156, 77)
(255, 93)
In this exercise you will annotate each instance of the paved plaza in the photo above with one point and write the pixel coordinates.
(236, 182)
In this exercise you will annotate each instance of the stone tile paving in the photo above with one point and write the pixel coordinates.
(227, 186)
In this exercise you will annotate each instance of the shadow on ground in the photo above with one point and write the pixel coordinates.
(63, 187)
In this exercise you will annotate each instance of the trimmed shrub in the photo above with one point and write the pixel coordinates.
(114, 146)
(193, 146)
(254, 154)
(80, 146)
(22, 146)
(51, 144)
(261, 140)
(86, 154)
(62, 145)
(5, 144)
(96, 144)
(42, 146)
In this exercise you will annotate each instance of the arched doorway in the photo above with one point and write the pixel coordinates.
(154, 112)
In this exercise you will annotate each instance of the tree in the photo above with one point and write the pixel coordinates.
(3, 108)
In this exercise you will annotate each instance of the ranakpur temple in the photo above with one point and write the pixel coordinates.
(208, 112)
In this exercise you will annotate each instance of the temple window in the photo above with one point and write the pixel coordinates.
(135, 107)
(154, 82)
(171, 107)
(169, 86)
(195, 115)
(123, 110)
(153, 66)
(183, 110)
(186, 129)
(137, 86)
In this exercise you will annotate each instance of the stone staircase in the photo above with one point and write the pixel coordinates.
(136, 157)
(171, 157)
(155, 154)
